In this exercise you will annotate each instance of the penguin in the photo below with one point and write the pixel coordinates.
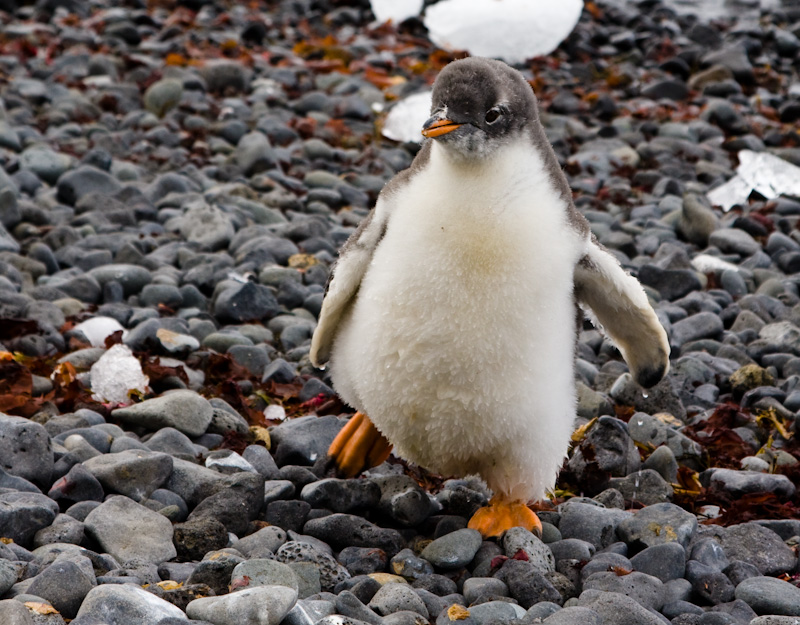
(449, 319)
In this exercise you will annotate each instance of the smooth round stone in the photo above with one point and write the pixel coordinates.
(494, 611)
(65, 585)
(262, 572)
(768, 595)
(132, 277)
(26, 449)
(129, 531)
(665, 562)
(658, 524)
(74, 184)
(263, 605)
(184, 410)
(163, 95)
(454, 550)
(22, 514)
(134, 473)
(126, 603)
(396, 597)
(645, 589)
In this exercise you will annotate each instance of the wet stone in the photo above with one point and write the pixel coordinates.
(526, 585)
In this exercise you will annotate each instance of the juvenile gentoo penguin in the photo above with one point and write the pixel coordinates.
(450, 317)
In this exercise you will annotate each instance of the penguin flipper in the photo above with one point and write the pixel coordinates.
(620, 307)
(345, 280)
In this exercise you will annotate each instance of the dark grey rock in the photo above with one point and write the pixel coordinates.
(341, 495)
(591, 522)
(606, 451)
(303, 441)
(658, 524)
(25, 450)
(64, 585)
(526, 585)
(739, 483)
(759, 546)
(135, 473)
(709, 584)
(75, 184)
(402, 499)
(645, 486)
(23, 514)
(768, 595)
(249, 302)
(666, 561)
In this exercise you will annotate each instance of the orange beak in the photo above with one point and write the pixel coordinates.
(438, 128)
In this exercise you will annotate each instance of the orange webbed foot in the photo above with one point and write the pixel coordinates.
(358, 446)
(501, 515)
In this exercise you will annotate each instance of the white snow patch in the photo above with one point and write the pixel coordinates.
(232, 460)
(404, 122)
(395, 10)
(97, 329)
(705, 263)
(764, 173)
(274, 412)
(512, 30)
(115, 374)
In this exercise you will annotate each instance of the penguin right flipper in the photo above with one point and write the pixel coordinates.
(620, 307)
(345, 280)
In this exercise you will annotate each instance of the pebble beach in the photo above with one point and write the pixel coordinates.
(176, 179)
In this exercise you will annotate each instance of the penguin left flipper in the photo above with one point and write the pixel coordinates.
(620, 306)
(345, 280)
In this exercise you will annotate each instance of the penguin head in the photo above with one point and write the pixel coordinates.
(478, 106)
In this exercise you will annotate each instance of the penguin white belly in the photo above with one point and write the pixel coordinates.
(460, 343)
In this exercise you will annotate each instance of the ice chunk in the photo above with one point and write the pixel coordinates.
(395, 10)
(764, 173)
(115, 374)
(97, 329)
(512, 30)
(404, 121)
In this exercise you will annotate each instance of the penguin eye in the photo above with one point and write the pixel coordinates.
(493, 115)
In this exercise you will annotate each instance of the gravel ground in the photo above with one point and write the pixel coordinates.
(182, 176)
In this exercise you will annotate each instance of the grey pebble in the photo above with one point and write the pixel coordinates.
(262, 605)
(454, 550)
(128, 531)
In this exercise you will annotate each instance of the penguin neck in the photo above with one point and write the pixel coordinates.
(510, 166)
